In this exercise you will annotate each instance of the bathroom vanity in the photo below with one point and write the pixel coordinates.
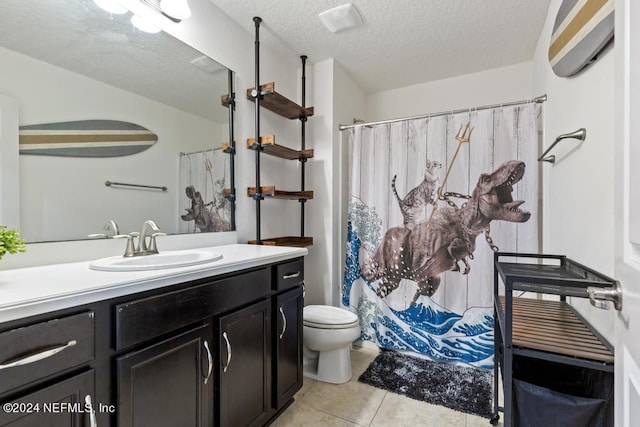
(216, 344)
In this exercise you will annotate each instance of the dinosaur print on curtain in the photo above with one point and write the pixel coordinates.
(203, 207)
(431, 199)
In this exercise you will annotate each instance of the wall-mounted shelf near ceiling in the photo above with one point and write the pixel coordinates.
(266, 97)
(277, 103)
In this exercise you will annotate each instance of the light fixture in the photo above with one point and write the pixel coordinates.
(149, 15)
(341, 18)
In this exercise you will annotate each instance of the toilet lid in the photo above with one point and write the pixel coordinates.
(323, 316)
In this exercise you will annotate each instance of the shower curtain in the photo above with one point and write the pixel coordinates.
(419, 260)
(202, 204)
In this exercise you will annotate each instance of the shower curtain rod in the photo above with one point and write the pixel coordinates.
(201, 151)
(537, 100)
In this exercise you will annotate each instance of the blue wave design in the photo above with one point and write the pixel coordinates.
(424, 327)
(352, 264)
(427, 319)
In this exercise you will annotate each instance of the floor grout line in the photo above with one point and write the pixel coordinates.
(378, 409)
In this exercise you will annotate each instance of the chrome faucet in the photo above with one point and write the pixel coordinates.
(111, 225)
(142, 249)
(148, 226)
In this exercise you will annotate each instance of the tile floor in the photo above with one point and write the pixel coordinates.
(357, 404)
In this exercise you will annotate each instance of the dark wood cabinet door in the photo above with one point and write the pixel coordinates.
(245, 366)
(288, 339)
(167, 384)
(67, 403)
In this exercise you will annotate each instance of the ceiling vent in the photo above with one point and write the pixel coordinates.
(341, 18)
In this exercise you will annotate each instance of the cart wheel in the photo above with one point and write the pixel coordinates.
(495, 419)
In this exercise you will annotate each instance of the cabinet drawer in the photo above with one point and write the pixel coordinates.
(289, 274)
(146, 318)
(43, 407)
(33, 352)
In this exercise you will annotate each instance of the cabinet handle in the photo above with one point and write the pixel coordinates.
(93, 422)
(284, 322)
(209, 360)
(226, 366)
(291, 276)
(38, 356)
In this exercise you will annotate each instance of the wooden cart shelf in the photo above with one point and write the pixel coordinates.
(279, 104)
(272, 192)
(552, 326)
(269, 146)
(296, 241)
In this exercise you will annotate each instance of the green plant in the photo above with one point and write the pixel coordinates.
(10, 241)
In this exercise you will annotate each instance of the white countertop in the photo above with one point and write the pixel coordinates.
(35, 290)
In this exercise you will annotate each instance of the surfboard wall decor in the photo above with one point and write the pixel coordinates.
(85, 138)
(581, 30)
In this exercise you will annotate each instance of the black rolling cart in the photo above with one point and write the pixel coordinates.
(555, 368)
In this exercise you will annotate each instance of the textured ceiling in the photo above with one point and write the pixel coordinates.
(79, 36)
(402, 42)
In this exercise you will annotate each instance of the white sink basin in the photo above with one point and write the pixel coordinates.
(168, 259)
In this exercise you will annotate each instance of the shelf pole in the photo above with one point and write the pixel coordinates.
(257, 20)
(303, 122)
(232, 154)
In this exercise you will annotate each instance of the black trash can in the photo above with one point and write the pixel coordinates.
(554, 394)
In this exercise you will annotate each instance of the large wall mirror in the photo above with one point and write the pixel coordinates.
(68, 61)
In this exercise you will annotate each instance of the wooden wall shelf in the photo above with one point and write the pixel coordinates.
(265, 96)
(296, 241)
(270, 147)
(272, 192)
(226, 100)
(279, 104)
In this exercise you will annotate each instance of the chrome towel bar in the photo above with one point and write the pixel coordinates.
(122, 184)
(580, 135)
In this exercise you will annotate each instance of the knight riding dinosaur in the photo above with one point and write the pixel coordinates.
(447, 238)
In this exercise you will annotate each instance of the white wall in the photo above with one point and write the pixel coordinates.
(337, 99)
(578, 192)
(505, 84)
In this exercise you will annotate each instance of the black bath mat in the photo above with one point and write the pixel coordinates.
(461, 388)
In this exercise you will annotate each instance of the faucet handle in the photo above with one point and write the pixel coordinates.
(130, 249)
(153, 248)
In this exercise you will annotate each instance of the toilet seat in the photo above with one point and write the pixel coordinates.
(328, 317)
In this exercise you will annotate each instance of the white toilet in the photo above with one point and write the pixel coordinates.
(327, 334)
